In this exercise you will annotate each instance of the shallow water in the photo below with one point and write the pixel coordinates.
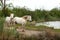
(55, 24)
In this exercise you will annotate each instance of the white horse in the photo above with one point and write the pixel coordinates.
(22, 20)
(8, 20)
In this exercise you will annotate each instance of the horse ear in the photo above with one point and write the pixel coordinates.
(25, 17)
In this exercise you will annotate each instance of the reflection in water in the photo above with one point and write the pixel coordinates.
(55, 24)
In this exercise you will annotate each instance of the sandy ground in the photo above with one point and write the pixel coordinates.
(30, 32)
(27, 32)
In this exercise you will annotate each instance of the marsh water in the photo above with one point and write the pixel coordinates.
(55, 24)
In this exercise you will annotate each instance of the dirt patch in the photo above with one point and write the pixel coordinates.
(30, 32)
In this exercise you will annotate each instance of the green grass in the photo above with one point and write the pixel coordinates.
(29, 27)
(38, 28)
(1, 24)
(35, 27)
(42, 27)
(57, 30)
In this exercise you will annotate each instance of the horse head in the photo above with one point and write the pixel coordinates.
(27, 17)
(11, 15)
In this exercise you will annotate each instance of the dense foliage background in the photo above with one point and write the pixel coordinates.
(37, 15)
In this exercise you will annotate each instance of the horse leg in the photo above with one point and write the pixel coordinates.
(13, 23)
(23, 28)
(8, 24)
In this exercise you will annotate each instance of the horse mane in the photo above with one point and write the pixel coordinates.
(25, 17)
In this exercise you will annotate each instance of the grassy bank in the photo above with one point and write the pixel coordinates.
(13, 34)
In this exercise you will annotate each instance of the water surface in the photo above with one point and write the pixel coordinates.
(55, 24)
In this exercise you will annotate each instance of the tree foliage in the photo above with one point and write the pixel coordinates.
(37, 15)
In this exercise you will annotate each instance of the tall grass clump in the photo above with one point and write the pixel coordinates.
(10, 34)
(1, 24)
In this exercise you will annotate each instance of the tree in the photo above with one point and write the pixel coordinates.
(3, 5)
